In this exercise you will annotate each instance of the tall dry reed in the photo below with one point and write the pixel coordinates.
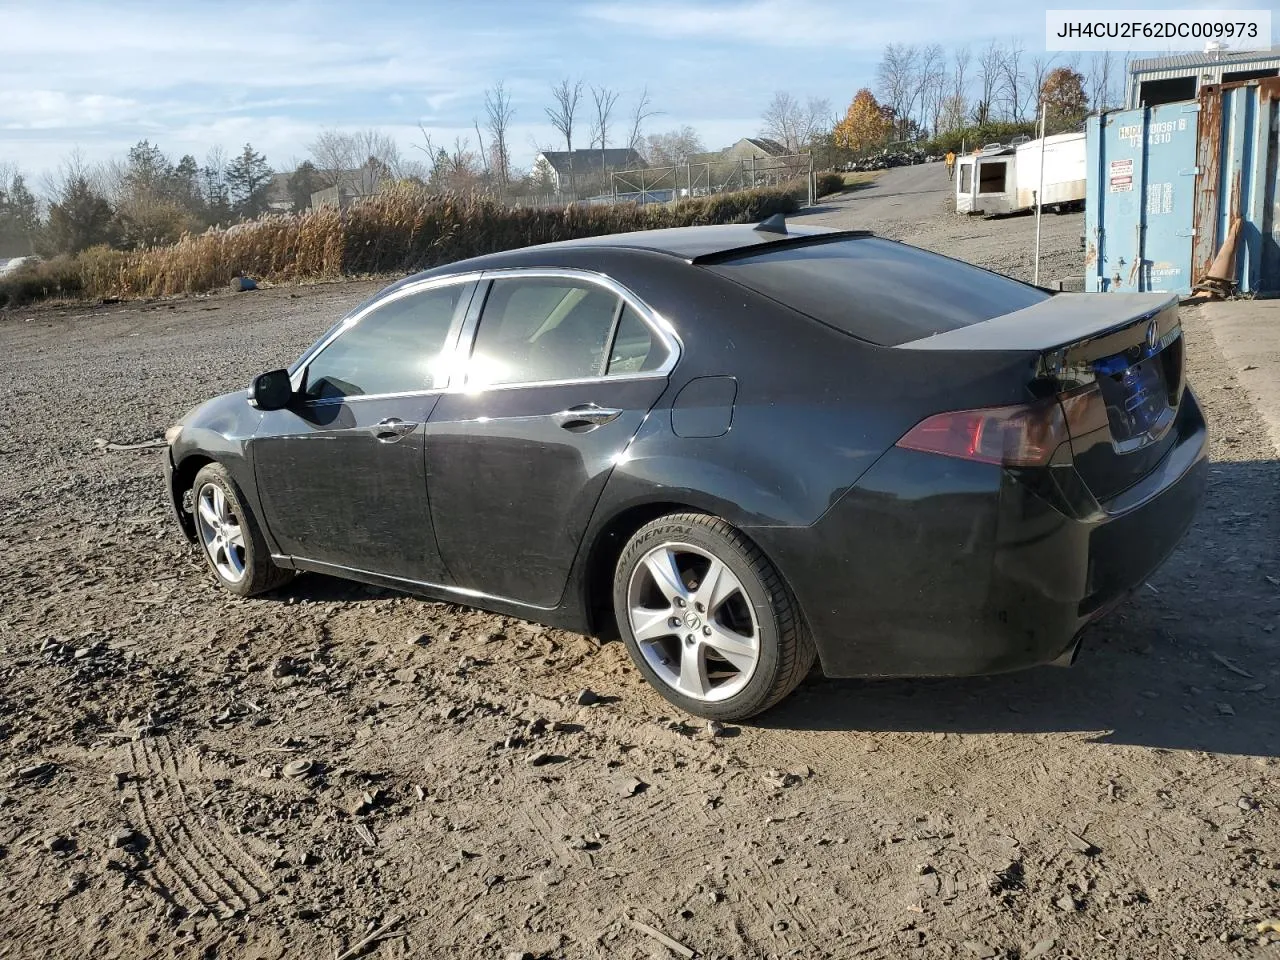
(396, 232)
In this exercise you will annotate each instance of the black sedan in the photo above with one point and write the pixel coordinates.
(740, 448)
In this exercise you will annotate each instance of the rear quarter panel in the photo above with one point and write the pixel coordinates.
(814, 409)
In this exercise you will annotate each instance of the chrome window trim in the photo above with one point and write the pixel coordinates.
(657, 324)
(297, 378)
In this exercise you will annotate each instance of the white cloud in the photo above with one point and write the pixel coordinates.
(808, 23)
(52, 109)
(278, 47)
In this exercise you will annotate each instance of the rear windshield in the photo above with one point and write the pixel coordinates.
(884, 292)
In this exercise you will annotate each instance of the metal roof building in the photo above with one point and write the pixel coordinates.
(1158, 80)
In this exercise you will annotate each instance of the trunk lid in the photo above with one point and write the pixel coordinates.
(1127, 348)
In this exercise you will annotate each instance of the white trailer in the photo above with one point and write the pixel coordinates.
(1064, 172)
(999, 180)
(985, 180)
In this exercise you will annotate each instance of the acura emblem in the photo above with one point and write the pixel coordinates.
(1153, 333)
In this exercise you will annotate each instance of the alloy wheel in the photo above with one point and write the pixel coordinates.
(693, 621)
(220, 532)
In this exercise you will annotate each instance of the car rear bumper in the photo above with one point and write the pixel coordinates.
(932, 566)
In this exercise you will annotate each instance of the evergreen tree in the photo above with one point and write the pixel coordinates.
(304, 181)
(19, 217)
(185, 185)
(147, 171)
(248, 177)
(80, 218)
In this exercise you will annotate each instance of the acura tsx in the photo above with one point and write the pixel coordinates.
(740, 448)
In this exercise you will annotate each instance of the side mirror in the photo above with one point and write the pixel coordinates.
(271, 390)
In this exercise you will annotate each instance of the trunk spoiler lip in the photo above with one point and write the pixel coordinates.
(1056, 322)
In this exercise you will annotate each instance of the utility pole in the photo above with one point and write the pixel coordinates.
(1039, 193)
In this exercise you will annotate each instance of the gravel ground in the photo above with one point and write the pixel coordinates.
(913, 204)
(183, 773)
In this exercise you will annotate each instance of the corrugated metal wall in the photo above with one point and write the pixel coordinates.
(1236, 157)
(1165, 183)
(1192, 65)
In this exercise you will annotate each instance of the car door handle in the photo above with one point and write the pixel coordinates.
(392, 429)
(585, 416)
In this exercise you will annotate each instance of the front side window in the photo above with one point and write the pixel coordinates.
(537, 329)
(395, 348)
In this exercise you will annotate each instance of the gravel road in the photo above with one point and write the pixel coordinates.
(183, 773)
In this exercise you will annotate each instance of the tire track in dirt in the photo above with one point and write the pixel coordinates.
(548, 821)
(222, 847)
(198, 865)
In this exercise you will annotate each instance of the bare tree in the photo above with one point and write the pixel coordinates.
(792, 123)
(498, 111)
(433, 154)
(933, 81)
(458, 171)
(638, 116)
(358, 161)
(989, 72)
(566, 94)
(673, 147)
(1040, 71)
(604, 99)
(484, 154)
(1101, 67)
(54, 184)
(1097, 77)
(1013, 81)
(955, 105)
(898, 83)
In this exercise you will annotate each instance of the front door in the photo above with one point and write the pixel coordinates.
(342, 471)
(562, 373)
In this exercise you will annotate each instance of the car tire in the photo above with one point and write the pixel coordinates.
(229, 536)
(707, 619)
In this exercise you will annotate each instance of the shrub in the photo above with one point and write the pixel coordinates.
(829, 182)
(58, 278)
(397, 232)
(971, 138)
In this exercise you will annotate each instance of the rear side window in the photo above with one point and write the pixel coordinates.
(539, 329)
(635, 349)
(882, 292)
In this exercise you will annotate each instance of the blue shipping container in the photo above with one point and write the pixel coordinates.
(1140, 203)
(1165, 184)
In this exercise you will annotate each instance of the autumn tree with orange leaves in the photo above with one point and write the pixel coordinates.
(866, 124)
(1065, 100)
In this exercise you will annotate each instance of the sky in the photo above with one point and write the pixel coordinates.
(99, 76)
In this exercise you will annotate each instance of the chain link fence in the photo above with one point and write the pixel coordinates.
(670, 183)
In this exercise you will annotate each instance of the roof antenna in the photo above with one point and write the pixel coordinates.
(775, 224)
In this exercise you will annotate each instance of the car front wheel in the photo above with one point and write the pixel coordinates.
(229, 536)
(707, 619)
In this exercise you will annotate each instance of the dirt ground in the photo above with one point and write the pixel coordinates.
(183, 773)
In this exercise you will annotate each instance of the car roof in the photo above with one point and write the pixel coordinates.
(693, 243)
(690, 244)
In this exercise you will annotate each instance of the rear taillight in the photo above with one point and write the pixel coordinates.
(1020, 436)
(1025, 435)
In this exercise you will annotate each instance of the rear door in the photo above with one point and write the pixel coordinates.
(563, 369)
(342, 470)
